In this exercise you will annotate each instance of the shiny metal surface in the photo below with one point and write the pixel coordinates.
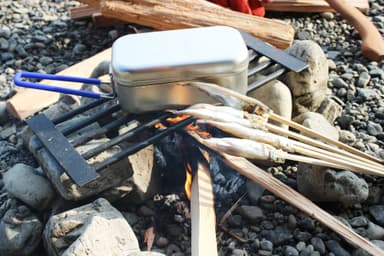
(147, 68)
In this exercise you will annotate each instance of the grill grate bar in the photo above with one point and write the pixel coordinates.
(140, 145)
(97, 150)
(91, 119)
(102, 130)
(77, 111)
(266, 79)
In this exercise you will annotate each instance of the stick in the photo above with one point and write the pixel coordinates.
(292, 146)
(178, 14)
(29, 101)
(355, 153)
(372, 46)
(291, 196)
(309, 5)
(254, 105)
(203, 216)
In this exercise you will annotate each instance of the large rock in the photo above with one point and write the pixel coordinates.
(308, 87)
(318, 123)
(277, 96)
(96, 229)
(325, 185)
(115, 180)
(22, 182)
(20, 232)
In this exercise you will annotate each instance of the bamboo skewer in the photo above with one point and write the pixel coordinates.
(261, 151)
(322, 137)
(292, 146)
(262, 109)
(319, 144)
(251, 126)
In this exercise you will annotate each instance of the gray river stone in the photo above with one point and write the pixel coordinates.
(24, 183)
(20, 232)
(96, 229)
(322, 184)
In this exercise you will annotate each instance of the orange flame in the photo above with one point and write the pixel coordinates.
(190, 127)
(188, 181)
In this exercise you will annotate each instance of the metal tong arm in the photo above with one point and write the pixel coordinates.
(18, 80)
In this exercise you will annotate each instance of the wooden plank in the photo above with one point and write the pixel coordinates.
(203, 216)
(310, 5)
(29, 101)
(291, 196)
(178, 14)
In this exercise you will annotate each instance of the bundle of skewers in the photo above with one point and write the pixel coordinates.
(247, 119)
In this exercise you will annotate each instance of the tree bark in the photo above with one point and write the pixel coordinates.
(178, 14)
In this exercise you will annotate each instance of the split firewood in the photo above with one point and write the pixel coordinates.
(372, 46)
(178, 14)
(203, 217)
(83, 11)
(309, 5)
(149, 237)
(98, 19)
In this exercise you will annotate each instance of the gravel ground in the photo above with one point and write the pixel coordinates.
(38, 36)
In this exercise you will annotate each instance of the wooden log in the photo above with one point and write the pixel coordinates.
(178, 14)
(29, 101)
(203, 216)
(310, 5)
(100, 20)
(291, 196)
(372, 46)
(90, 2)
(83, 11)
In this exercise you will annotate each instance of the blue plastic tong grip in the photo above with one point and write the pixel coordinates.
(24, 74)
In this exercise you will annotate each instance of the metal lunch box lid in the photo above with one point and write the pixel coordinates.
(184, 54)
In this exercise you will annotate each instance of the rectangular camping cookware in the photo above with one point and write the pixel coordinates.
(148, 69)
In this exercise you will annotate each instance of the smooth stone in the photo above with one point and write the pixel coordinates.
(363, 80)
(322, 184)
(250, 212)
(359, 221)
(318, 123)
(4, 117)
(318, 244)
(266, 245)
(20, 232)
(375, 232)
(374, 128)
(290, 251)
(277, 96)
(347, 137)
(336, 248)
(366, 93)
(277, 236)
(22, 182)
(330, 109)
(255, 191)
(377, 212)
